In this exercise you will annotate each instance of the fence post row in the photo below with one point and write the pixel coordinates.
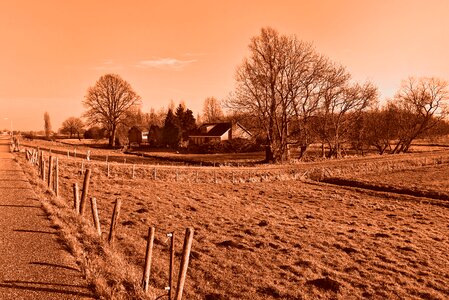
(79, 206)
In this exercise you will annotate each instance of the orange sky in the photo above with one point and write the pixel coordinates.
(52, 51)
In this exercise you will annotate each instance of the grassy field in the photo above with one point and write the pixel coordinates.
(98, 151)
(278, 238)
(427, 177)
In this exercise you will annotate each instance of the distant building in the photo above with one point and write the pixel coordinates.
(138, 135)
(218, 132)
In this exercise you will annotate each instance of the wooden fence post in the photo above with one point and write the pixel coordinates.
(96, 219)
(85, 191)
(148, 257)
(172, 260)
(154, 174)
(133, 171)
(107, 165)
(39, 163)
(114, 219)
(56, 180)
(76, 198)
(43, 168)
(184, 263)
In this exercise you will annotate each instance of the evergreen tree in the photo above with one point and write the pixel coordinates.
(186, 121)
(171, 133)
(189, 123)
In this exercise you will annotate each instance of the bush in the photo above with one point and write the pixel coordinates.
(95, 133)
(230, 146)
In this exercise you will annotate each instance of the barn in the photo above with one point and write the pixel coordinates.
(138, 135)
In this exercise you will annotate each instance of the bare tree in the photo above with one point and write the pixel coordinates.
(341, 107)
(423, 103)
(72, 126)
(277, 85)
(212, 111)
(108, 101)
(156, 118)
(47, 125)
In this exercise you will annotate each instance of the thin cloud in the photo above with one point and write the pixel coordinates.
(107, 65)
(166, 62)
(195, 54)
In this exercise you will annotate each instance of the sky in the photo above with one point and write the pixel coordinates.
(51, 52)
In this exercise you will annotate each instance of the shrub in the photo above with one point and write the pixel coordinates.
(230, 146)
(95, 133)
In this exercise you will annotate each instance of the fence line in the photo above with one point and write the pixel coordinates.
(79, 206)
(234, 175)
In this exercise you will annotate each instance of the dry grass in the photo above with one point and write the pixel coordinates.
(429, 177)
(107, 270)
(282, 239)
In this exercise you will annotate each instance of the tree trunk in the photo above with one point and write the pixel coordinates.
(407, 146)
(383, 149)
(268, 154)
(112, 136)
(396, 148)
(302, 151)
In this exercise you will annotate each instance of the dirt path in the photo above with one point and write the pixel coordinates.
(33, 264)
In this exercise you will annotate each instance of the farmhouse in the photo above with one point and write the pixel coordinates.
(219, 132)
(138, 135)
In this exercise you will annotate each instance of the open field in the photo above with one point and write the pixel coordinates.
(285, 239)
(428, 180)
(428, 177)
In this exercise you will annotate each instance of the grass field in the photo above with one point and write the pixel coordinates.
(283, 238)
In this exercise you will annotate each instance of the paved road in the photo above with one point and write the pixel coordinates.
(33, 264)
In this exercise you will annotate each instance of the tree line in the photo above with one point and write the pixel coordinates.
(290, 96)
(297, 96)
(113, 108)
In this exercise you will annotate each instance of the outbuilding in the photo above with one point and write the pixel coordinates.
(219, 132)
(138, 135)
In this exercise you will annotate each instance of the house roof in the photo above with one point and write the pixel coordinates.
(140, 128)
(218, 130)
